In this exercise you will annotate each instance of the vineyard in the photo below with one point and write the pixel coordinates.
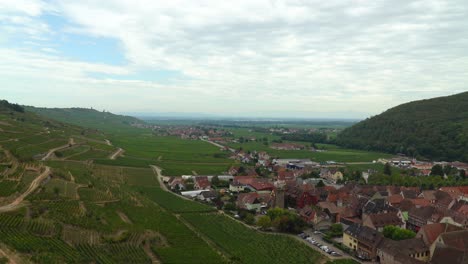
(91, 209)
(173, 203)
(7, 188)
(248, 246)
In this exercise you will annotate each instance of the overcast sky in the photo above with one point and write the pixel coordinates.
(349, 59)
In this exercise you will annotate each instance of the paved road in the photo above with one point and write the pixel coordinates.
(34, 184)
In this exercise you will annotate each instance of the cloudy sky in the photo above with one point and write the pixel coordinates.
(274, 58)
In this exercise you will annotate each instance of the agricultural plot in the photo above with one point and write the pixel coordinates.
(108, 173)
(331, 153)
(7, 188)
(70, 152)
(25, 153)
(127, 161)
(183, 245)
(172, 202)
(178, 168)
(245, 245)
(139, 177)
(80, 171)
(91, 154)
(28, 177)
(62, 188)
(94, 195)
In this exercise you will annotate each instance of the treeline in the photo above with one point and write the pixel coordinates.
(306, 137)
(435, 129)
(4, 104)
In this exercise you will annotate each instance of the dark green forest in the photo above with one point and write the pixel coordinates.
(434, 129)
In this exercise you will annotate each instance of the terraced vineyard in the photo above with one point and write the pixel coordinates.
(90, 209)
(245, 245)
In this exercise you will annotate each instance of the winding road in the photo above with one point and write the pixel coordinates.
(34, 185)
(71, 142)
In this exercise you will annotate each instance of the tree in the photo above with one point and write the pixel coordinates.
(336, 230)
(249, 219)
(396, 233)
(437, 170)
(215, 180)
(230, 207)
(388, 169)
(320, 184)
(264, 222)
(462, 174)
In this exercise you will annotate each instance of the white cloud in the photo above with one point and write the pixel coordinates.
(276, 56)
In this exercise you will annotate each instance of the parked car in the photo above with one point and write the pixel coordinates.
(335, 254)
(317, 232)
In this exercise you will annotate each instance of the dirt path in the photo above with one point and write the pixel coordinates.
(34, 184)
(116, 154)
(218, 145)
(108, 142)
(149, 252)
(71, 142)
(194, 173)
(124, 217)
(159, 177)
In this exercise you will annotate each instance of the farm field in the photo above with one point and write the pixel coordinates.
(331, 153)
(245, 245)
(91, 209)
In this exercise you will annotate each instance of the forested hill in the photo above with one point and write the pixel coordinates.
(86, 117)
(435, 128)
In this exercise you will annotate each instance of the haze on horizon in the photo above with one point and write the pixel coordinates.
(316, 59)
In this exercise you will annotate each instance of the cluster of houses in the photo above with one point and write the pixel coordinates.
(439, 217)
(423, 167)
(287, 146)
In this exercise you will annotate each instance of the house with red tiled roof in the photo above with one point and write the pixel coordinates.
(420, 202)
(430, 232)
(395, 200)
(457, 241)
(239, 183)
(379, 221)
(248, 201)
(261, 185)
(201, 183)
(254, 201)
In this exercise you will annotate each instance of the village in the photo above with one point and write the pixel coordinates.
(339, 217)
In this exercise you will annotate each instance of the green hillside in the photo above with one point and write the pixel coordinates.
(87, 117)
(435, 128)
(59, 205)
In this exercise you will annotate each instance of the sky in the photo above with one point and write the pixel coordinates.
(258, 58)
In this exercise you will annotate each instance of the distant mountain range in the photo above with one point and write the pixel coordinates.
(435, 128)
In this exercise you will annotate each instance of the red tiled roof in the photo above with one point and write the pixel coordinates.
(246, 198)
(261, 184)
(421, 202)
(432, 231)
(202, 182)
(245, 180)
(395, 199)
